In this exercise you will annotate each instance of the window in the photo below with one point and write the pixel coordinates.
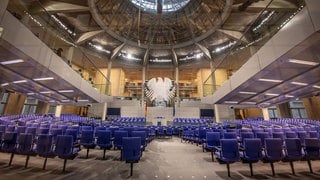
(273, 112)
(3, 102)
(297, 109)
(167, 5)
(30, 106)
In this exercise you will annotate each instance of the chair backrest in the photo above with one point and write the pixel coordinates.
(262, 136)
(43, 131)
(10, 128)
(87, 136)
(21, 129)
(103, 137)
(279, 135)
(291, 134)
(64, 145)
(273, 149)
(213, 138)
(9, 141)
(73, 133)
(229, 150)
(131, 148)
(312, 147)
(118, 135)
(313, 134)
(31, 130)
(44, 144)
(3, 128)
(252, 149)
(230, 135)
(293, 148)
(142, 135)
(25, 143)
(246, 135)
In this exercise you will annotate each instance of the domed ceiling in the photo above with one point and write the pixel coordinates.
(164, 33)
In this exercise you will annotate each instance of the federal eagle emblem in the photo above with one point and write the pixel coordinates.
(160, 90)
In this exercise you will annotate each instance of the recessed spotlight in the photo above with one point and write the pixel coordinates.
(12, 61)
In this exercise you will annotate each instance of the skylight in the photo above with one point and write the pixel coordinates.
(167, 5)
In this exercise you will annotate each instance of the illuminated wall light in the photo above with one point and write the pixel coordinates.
(264, 21)
(4, 84)
(14, 61)
(129, 56)
(43, 79)
(160, 60)
(99, 48)
(20, 81)
(219, 49)
(194, 56)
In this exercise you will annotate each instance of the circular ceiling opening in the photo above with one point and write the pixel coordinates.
(160, 6)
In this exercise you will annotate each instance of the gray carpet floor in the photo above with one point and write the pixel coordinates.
(162, 159)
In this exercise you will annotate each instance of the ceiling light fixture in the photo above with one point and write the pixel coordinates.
(231, 102)
(65, 100)
(20, 81)
(45, 92)
(288, 96)
(83, 100)
(247, 92)
(270, 80)
(271, 94)
(316, 86)
(31, 93)
(4, 84)
(248, 102)
(66, 91)
(43, 79)
(12, 61)
(309, 63)
(299, 83)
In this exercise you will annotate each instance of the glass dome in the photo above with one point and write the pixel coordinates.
(154, 6)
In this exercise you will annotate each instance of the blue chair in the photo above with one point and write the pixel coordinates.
(25, 146)
(302, 136)
(311, 149)
(43, 131)
(44, 148)
(11, 128)
(212, 142)
(32, 130)
(118, 135)
(252, 151)
(262, 136)
(246, 135)
(64, 149)
(230, 135)
(313, 134)
(9, 144)
(55, 132)
(104, 140)
(142, 135)
(74, 133)
(291, 134)
(131, 151)
(87, 140)
(229, 152)
(273, 151)
(169, 131)
(293, 151)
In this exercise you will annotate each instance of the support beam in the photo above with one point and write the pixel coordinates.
(205, 51)
(87, 36)
(60, 7)
(174, 58)
(277, 5)
(116, 51)
(236, 35)
(145, 58)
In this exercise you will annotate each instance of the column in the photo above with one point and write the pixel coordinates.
(213, 76)
(265, 113)
(143, 84)
(223, 112)
(15, 104)
(283, 110)
(177, 87)
(58, 110)
(108, 82)
(42, 108)
(312, 106)
(104, 111)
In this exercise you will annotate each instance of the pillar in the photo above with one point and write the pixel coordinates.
(312, 106)
(108, 82)
(265, 113)
(15, 104)
(213, 76)
(223, 112)
(104, 111)
(284, 110)
(42, 108)
(177, 87)
(3, 7)
(58, 110)
(143, 84)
